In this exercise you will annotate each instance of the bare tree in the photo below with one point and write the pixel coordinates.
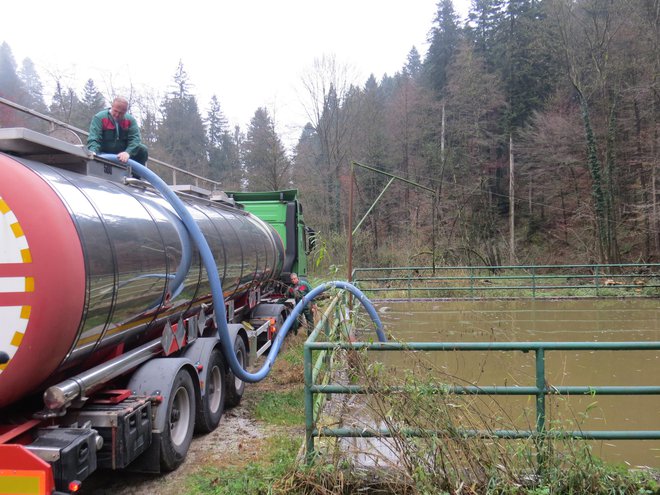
(328, 86)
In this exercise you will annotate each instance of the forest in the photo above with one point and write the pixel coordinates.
(533, 129)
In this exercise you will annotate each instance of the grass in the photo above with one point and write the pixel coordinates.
(282, 408)
(255, 478)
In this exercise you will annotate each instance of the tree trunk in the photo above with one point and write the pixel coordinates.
(512, 237)
(593, 164)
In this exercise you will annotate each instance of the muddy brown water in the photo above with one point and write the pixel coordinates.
(547, 321)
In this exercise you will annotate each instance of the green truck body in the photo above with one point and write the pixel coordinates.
(283, 211)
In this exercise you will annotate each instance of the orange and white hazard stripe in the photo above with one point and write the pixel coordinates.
(14, 249)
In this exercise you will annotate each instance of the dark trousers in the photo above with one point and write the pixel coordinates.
(309, 318)
(142, 155)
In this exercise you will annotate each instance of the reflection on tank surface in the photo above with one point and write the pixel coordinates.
(140, 263)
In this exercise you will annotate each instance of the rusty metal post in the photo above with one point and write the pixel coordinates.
(350, 224)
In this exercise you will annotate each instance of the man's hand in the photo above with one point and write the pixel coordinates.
(123, 157)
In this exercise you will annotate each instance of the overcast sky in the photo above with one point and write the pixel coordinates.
(249, 53)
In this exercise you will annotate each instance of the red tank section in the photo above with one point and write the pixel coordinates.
(42, 280)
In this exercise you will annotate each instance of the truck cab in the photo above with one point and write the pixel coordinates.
(284, 212)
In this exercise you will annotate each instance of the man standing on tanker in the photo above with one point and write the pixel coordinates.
(115, 131)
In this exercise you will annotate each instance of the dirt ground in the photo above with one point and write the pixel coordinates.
(237, 441)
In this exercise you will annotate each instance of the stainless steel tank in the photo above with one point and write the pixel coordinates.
(90, 268)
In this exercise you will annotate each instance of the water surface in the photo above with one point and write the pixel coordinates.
(585, 320)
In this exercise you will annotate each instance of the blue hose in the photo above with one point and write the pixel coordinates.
(216, 286)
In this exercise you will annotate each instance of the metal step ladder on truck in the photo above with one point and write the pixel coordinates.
(109, 349)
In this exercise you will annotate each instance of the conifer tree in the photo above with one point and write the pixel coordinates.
(34, 90)
(444, 38)
(413, 67)
(10, 88)
(216, 128)
(266, 163)
(216, 123)
(526, 57)
(149, 127)
(484, 21)
(33, 95)
(10, 84)
(370, 147)
(64, 103)
(229, 163)
(181, 133)
(92, 102)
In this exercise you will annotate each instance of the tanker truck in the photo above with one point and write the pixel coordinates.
(109, 352)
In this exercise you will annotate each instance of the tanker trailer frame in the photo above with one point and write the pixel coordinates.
(108, 338)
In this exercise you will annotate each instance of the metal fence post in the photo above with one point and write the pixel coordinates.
(540, 390)
(309, 405)
(540, 407)
(409, 285)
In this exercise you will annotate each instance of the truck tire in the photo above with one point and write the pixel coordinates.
(180, 422)
(215, 392)
(236, 386)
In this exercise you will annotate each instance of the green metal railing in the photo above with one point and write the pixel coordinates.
(540, 390)
(533, 280)
(334, 324)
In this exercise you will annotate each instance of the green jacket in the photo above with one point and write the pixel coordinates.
(300, 290)
(108, 136)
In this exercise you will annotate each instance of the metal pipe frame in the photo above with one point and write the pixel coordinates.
(540, 390)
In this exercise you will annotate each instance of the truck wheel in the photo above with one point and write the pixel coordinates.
(213, 402)
(236, 386)
(180, 422)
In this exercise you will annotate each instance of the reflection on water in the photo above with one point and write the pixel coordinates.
(546, 321)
